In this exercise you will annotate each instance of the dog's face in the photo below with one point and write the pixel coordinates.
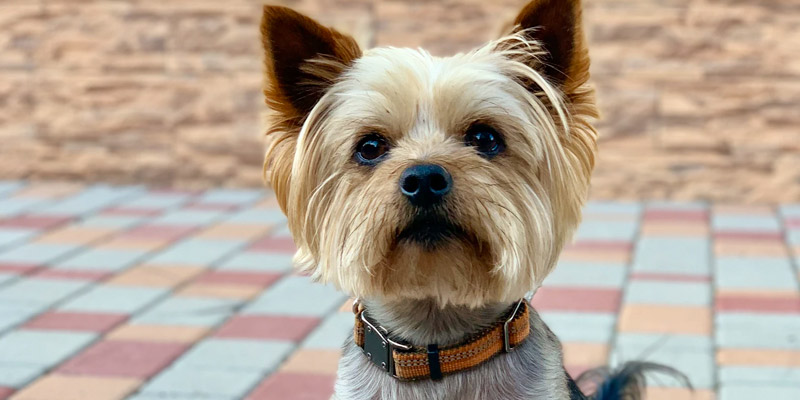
(405, 175)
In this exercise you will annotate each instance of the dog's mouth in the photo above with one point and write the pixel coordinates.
(430, 231)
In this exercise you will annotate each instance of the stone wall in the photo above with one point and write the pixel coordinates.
(700, 99)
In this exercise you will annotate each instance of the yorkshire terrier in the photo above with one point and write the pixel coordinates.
(439, 191)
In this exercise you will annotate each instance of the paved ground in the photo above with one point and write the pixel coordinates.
(128, 292)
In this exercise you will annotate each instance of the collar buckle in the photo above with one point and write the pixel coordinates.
(506, 332)
(378, 347)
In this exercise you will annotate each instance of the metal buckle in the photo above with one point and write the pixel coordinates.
(506, 334)
(378, 347)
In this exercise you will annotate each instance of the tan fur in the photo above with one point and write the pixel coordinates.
(519, 208)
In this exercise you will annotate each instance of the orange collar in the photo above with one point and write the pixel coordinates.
(408, 362)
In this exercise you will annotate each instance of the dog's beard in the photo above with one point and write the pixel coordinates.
(431, 231)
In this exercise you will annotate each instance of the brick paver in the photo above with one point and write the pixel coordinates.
(146, 294)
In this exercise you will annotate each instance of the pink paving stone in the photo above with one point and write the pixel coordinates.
(166, 232)
(279, 244)
(34, 222)
(576, 299)
(131, 211)
(675, 215)
(294, 386)
(661, 276)
(5, 392)
(19, 268)
(268, 327)
(600, 245)
(732, 303)
(73, 274)
(239, 278)
(749, 236)
(76, 321)
(793, 223)
(123, 359)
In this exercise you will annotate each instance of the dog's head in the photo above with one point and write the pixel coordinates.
(405, 175)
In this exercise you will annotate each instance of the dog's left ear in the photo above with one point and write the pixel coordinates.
(556, 25)
(301, 59)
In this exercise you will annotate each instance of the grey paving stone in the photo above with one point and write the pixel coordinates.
(194, 251)
(793, 237)
(747, 392)
(14, 236)
(258, 261)
(9, 187)
(774, 331)
(579, 274)
(102, 260)
(235, 355)
(257, 216)
(639, 345)
(18, 375)
(91, 200)
(33, 292)
(753, 223)
(13, 314)
(753, 272)
(672, 255)
(42, 348)
(580, 326)
(5, 277)
(190, 217)
(113, 221)
(192, 311)
(331, 333)
(297, 295)
(282, 231)
(189, 383)
(790, 210)
(114, 299)
(607, 230)
(672, 293)
(17, 205)
(36, 253)
(612, 207)
(770, 376)
(232, 196)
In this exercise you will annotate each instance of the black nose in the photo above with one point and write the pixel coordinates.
(425, 184)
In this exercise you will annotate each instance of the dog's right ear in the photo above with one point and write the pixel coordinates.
(301, 60)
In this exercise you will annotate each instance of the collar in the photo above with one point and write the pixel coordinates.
(408, 362)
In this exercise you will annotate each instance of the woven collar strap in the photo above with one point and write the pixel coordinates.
(408, 362)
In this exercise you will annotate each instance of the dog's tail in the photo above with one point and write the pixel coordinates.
(626, 383)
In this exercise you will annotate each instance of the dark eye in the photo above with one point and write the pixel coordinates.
(485, 140)
(371, 149)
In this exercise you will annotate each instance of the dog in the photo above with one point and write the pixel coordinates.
(439, 191)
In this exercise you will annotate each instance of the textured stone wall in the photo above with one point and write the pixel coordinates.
(701, 99)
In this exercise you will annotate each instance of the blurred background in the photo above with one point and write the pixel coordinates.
(142, 258)
(699, 97)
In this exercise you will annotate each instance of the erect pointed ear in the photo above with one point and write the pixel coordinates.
(301, 59)
(556, 25)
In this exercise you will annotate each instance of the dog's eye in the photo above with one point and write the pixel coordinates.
(371, 149)
(485, 140)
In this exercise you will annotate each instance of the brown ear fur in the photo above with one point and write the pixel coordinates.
(301, 60)
(557, 26)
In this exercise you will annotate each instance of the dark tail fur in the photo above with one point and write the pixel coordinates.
(627, 382)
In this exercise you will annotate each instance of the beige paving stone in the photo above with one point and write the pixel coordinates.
(158, 333)
(68, 387)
